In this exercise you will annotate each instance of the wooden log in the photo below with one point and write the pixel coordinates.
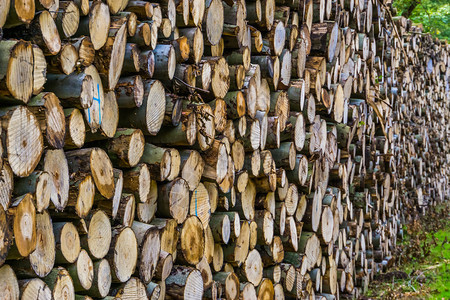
(9, 282)
(94, 161)
(42, 259)
(74, 90)
(123, 254)
(229, 283)
(148, 238)
(35, 288)
(173, 199)
(184, 282)
(65, 61)
(82, 272)
(98, 239)
(41, 31)
(85, 49)
(149, 116)
(67, 19)
(126, 147)
(96, 26)
(50, 115)
(192, 241)
(60, 282)
(29, 138)
(101, 280)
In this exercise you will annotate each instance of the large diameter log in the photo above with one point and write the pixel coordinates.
(299, 175)
(86, 51)
(24, 225)
(267, 14)
(192, 166)
(149, 242)
(265, 227)
(285, 155)
(137, 181)
(230, 284)
(125, 149)
(67, 18)
(123, 254)
(216, 160)
(82, 272)
(325, 36)
(246, 201)
(200, 205)
(326, 225)
(99, 235)
(61, 283)
(185, 131)
(96, 26)
(35, 288)
(55, 163)
(195, 42)
(132, 289)
(20, 12)
(16, 73)
(74, 90)
(67, 241)
(265, 290)
(43, 32)
(150, 115)
(42, 259)
(220, 228)
(192, 240)
(109, 59)
(164, 163)
(169, 235)
(101, 280)
(279, 106)
(213, 20)
(94, 161)
(236, 253)
(248, 290)
(220, 80)
(81, 194)
(295, 130)
(94, 113)
(184, 283)
(47, 109)
(173, 200)
(309, 245)
(165, 62)
(124, 211)
(23, 139)
(8, 283)
(164, 266)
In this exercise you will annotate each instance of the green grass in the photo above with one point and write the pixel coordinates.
(425, 258)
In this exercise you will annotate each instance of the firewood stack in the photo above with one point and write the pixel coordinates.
(189, 149)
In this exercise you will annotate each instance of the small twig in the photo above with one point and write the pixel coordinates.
(190, 86)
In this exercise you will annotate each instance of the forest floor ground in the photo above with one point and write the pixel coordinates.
(422, 268)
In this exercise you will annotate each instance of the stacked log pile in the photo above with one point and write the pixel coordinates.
(189, 149)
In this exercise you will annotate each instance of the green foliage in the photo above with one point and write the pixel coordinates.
(433, 14)
(423, 270)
